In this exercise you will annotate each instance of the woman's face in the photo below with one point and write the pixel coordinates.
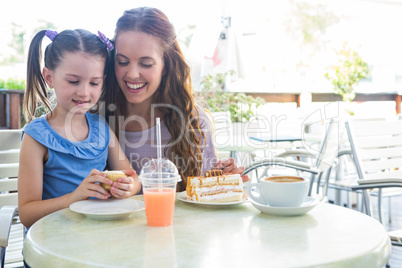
(138, 66)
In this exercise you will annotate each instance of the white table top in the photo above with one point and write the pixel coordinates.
(275, 138)
(210, 236)
(253, 143)
(239, 144)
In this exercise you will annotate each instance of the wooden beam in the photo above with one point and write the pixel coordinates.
(398, 99)
(3, 110)
(278, 97)
(15, 111)
(15, 97)
(328, 97)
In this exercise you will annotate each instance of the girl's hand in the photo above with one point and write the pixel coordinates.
(125, 187)
(229, 166)
(90, 188)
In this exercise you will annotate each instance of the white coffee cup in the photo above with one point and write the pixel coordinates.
(279, 191)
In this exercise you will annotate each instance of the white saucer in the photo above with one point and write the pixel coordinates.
(308, 205)
(182, 196)
(110, 209)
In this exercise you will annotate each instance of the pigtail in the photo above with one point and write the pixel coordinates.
(36, 88)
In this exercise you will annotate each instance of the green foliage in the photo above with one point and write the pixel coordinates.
(44, 25)
(345, 75)
(13, 83)
(309, 21)
(185, 34)
(18, 33)
(214, 98)
(10, 60)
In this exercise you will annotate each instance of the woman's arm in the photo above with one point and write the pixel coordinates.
(117, 160)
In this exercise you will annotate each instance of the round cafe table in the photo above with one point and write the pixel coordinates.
(210, 236)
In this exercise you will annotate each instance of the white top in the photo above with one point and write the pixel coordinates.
(141, 146)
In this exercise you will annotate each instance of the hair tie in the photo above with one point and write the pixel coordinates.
(105, 40)
(51, 34)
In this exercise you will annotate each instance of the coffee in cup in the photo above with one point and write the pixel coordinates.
(279, 191)
(283, 179)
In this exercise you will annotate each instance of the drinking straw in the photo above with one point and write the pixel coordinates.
(158, 137)
(159, 148)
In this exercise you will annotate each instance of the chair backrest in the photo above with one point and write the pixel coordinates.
(376, 147)
(222, 131)
(11, 230)
(10, 141)
(329, 146)
(223, 121)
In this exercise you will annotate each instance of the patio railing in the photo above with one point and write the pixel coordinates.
(11, 101)
(10, 108)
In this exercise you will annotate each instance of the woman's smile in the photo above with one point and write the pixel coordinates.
(135, 87)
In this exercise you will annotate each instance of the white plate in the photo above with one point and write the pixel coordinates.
(308, 205)
(183, 197)
(110, 209)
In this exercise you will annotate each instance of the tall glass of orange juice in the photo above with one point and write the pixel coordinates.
(159, 178)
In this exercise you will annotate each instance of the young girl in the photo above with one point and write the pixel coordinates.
(63, 152)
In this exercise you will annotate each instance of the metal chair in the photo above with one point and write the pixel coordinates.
(316, 163)
(230, 143)
(342, 176)
(344, 172)
(11, 230)
(377, 152)
(222, 127)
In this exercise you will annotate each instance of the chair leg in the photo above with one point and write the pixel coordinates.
(312, 179)
(318, 183)
(2, 257)
(366, 203)
(326, 183)
(379, 205)
(338, 197)
(358, 201)
(389, 210)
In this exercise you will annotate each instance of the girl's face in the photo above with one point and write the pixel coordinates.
(139, 66)
(77, 81)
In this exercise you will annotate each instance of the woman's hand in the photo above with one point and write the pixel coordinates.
(90, 188)
(229, 166)
(126, 187)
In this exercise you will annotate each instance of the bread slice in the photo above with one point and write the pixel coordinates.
(113, 175)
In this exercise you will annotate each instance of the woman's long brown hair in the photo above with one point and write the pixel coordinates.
(175, 90)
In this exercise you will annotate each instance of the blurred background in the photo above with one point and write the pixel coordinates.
(259, 45)
(272, 45)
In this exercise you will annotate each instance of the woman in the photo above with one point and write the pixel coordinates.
(150, 79)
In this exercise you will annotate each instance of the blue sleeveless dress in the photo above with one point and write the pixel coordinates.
(69, 162)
